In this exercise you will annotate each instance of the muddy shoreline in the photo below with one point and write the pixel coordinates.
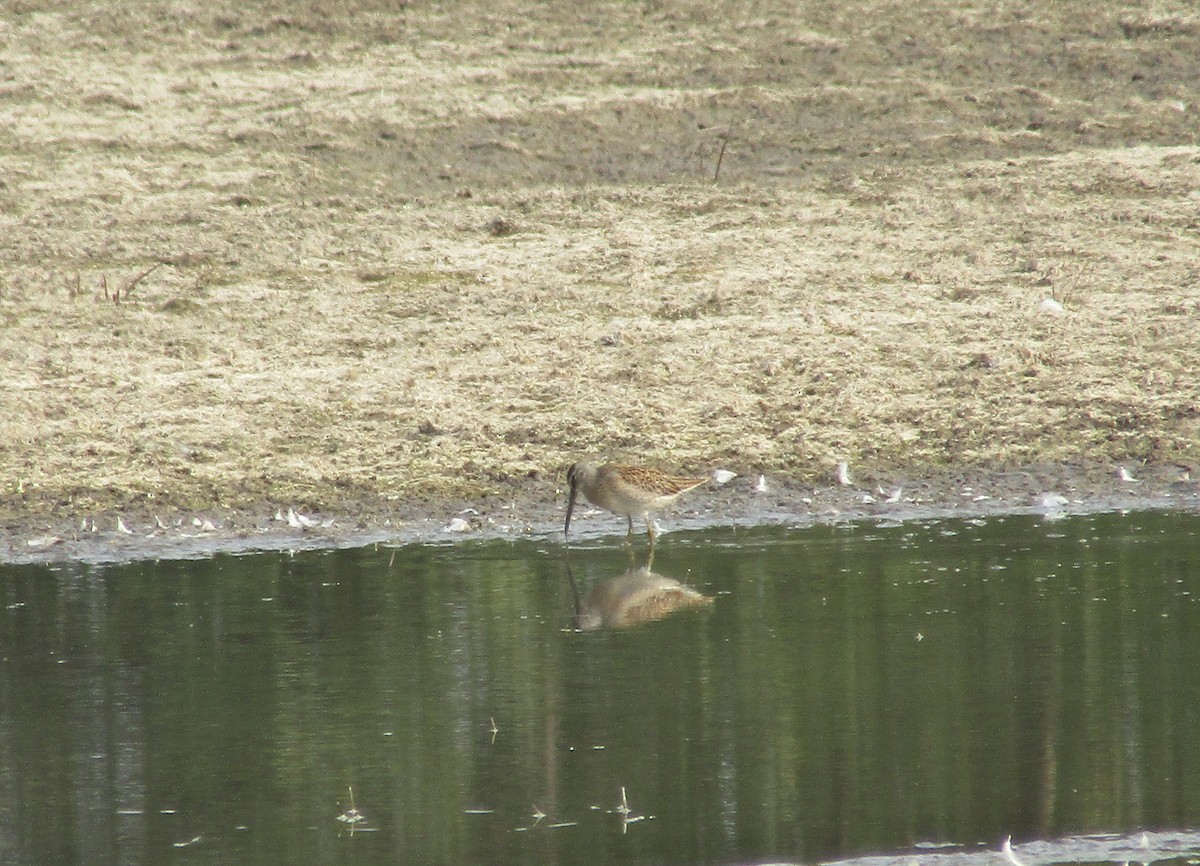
(383, 263)
(1052, 492)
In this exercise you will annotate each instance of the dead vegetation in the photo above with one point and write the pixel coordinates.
(426, 255)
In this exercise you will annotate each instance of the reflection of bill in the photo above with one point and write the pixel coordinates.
(639, 595)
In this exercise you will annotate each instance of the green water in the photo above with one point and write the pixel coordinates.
(852, 689)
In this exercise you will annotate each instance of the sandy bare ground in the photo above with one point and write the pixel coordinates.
(418, 257)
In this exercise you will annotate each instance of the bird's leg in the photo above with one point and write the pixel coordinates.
(629, 534)
(650, 529)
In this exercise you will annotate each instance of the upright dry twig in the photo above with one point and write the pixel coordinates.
(132, 284)
(720, 156)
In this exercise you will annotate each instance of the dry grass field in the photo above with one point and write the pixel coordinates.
(406, 257)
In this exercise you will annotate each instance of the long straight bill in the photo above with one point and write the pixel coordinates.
(570, 508)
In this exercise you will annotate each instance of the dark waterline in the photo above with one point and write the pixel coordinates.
(853, 689)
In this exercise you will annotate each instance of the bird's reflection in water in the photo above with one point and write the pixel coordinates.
(636, 596)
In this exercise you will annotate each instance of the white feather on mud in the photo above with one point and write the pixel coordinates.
(41, 542)
(722, 477)
(296, 520)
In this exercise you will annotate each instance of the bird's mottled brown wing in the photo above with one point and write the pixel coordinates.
(654, 482)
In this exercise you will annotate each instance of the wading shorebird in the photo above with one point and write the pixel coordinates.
(627, 490)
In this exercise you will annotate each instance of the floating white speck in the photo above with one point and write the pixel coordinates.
(868, 499)
(457, 524)
(206, 525)
(723, 476)
(761, 486)
(121, 527)
(1053, 500)
(1007, 850)
(895, 497)
(191, 841)
(159, 522)
(1051, 307)
(843, 474)
(1124, 475)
